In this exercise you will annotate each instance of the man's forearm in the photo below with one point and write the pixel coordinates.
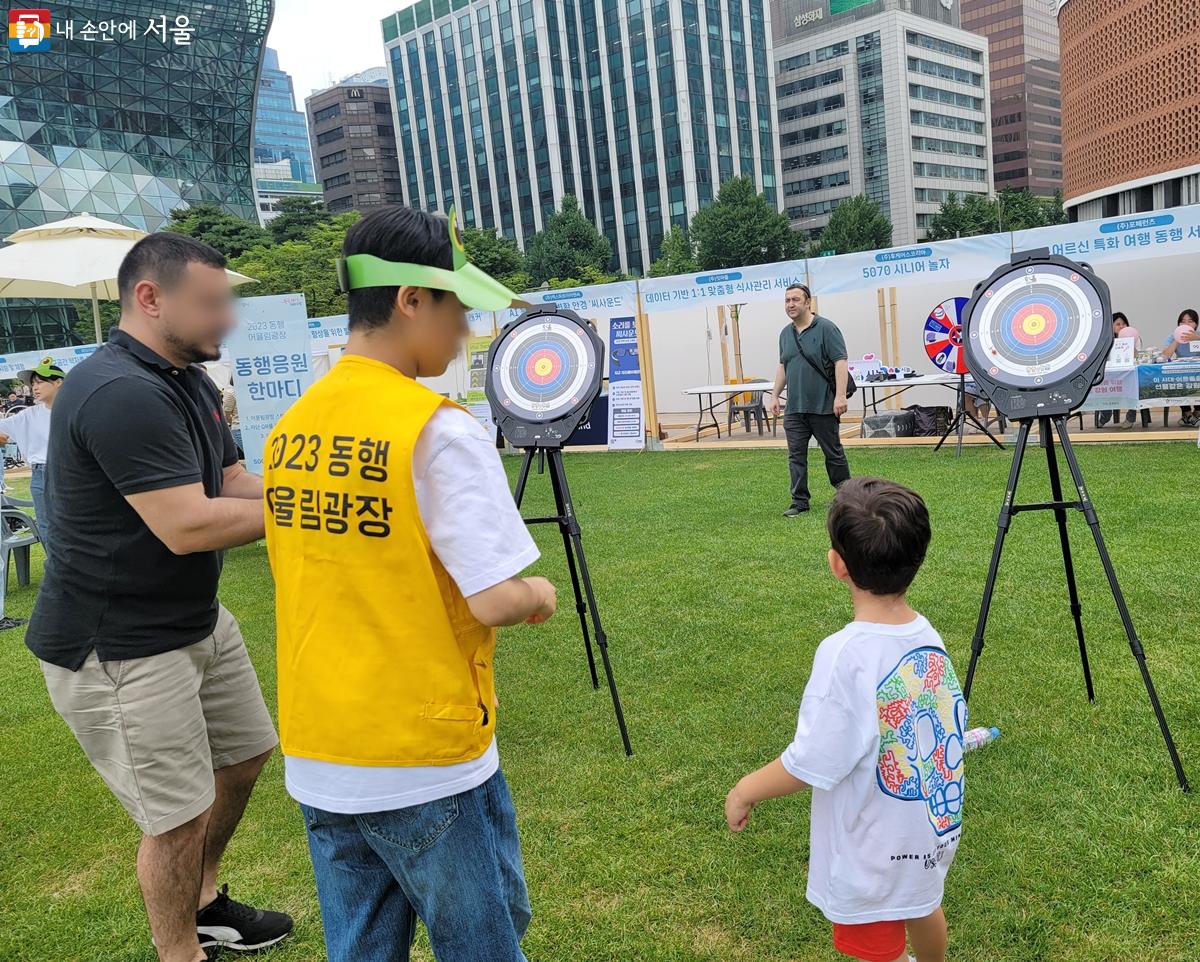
(242, 484)
(780, 380)
(841, 375)
(222, 523)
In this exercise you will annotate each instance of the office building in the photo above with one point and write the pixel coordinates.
(282, 159)
(354, 143)
(881, 100)
(126, 126)
(1025, 90)
(1131, 106)
(640, 111)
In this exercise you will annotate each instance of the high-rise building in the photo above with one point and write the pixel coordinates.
(885, 98)
(1026, 96)
(639, 110)
(354, 143)
(126, 124)
(282, 160)
(1131, 106)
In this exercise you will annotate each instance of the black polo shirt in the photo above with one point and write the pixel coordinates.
(126, 421)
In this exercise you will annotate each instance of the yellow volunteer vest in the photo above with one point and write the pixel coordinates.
(380, 660)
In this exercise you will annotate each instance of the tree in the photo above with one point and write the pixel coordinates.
(85, 327)
(297, 215)
(569, 244)
(228, 233)
(1055, 213)
(1009, 210)
(587, 277)
(306, 265)
(856, 224)
(676, 256)
(741, 227)
(495, 254)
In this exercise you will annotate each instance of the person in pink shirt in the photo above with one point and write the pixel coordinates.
(1122, 328)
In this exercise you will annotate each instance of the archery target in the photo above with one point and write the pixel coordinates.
(544, 368)
(943, 336)
(1037, 325)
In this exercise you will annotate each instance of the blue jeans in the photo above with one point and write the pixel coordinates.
(37, 491)
(454, 863)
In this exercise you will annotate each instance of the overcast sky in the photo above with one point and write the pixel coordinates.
(319, 42)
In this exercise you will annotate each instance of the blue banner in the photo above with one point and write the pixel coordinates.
(272, 366)
(1153, 234)
(958, 263)
(626, 430)
(762, 282)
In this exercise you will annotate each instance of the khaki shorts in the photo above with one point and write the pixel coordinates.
(155, 728)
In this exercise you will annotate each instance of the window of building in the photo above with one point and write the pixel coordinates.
(325, 113)
(330, 136)
(944, 46)
(938, 146)
(809, 83)
(794, 63)
(812, 107)
(937, 95)
(816, 158)
(927, 118)
(822, 182)
(833, 51)
(337, 157)
(944, 71)
(949, 171)
(809, 134)
(340, 180)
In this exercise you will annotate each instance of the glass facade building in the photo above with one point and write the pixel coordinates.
(283, 162)
(126, 125)
(1026, 91)
(638, 108)
(883, 102)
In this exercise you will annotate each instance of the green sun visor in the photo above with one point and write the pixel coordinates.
(474, 288)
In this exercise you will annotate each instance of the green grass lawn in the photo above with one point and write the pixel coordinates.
(1077, 843)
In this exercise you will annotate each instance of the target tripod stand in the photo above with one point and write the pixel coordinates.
(581, 581)
(1060, 507)
(961, 416)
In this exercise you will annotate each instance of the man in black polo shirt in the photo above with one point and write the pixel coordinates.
(813, 365)
(142, 662)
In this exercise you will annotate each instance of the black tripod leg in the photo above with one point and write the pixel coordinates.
(1135, 645)
(523, 477)
(568, 512)
(565, 521)
(1060, 515)
(1002, 526)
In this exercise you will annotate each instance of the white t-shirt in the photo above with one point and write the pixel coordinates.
(879, 739)
(30, 431)
(477, 533)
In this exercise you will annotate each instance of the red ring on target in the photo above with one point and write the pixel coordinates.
(1034, 324)
(543, 366)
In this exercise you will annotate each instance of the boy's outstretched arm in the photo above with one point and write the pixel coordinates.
(770, 781)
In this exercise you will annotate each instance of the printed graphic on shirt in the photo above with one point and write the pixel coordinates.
(922, 717)
(318, 500)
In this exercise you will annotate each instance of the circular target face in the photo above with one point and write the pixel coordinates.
(544, 368)
(1036, 325)
(943, 336)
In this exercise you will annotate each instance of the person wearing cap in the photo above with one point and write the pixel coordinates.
(141, 660)
(29, 428)
(396, 550)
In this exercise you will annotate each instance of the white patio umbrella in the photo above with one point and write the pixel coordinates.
(75, 259)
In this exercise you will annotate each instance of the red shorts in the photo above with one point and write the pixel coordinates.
(872, 941)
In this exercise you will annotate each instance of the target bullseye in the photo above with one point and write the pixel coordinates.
(543, 370)
(1038, 325)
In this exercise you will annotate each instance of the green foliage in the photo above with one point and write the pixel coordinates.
(85, 327)
(740, 228)
(494, 254)
(676, 256)
(305, 265)
(296, 217)
(228, 233)
(1009, 210)
(567, 247)
(587, 277)
(856, 224)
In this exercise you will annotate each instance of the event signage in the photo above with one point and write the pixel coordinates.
(65, 357)
(961, 263)
(1154, 234)
(762, 282)
(325, 331)
(626, 431)
(1178, 382)
(271, 354)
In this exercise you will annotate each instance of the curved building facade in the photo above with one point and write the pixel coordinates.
(1131, 105)
(127, 123)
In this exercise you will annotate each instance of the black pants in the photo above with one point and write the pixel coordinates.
(799, 428)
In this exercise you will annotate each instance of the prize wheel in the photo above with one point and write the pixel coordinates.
(544, 372)
(943, 336)
(1037, 332)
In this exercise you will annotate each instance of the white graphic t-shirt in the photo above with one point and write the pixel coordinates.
(879, 739)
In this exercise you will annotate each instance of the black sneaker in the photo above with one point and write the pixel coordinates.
(793, 511)
(242, 928)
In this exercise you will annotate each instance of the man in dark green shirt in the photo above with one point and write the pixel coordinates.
(812, 363)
